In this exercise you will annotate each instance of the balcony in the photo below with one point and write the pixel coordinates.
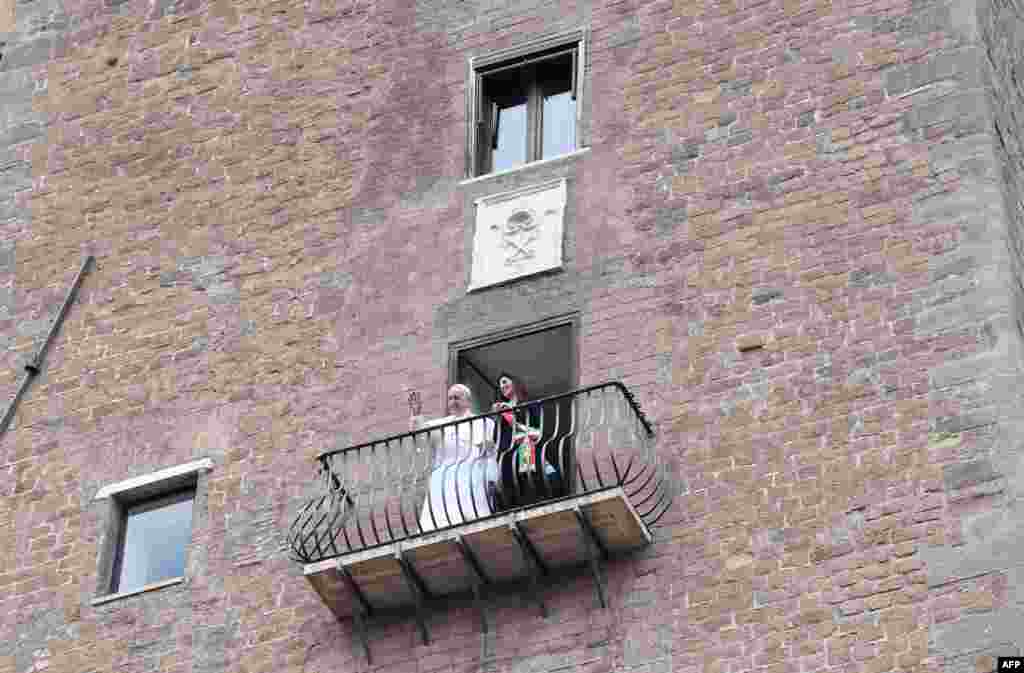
(568, 480)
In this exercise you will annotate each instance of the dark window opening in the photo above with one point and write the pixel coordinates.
(527, 110)
(534, 442)
(153, 536)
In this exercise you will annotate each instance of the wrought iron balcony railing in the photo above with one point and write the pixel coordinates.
(446, 474)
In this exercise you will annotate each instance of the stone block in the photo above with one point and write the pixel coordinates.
(27, 54)
(972, 473)
(965, 112)
(964, 65)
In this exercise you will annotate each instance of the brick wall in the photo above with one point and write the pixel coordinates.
(272, 191)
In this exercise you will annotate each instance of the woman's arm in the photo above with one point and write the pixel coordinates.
(530, 415)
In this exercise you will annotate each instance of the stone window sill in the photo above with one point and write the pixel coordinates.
(524, 167)
(154, 586)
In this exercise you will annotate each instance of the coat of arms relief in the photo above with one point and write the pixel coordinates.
(518, 233)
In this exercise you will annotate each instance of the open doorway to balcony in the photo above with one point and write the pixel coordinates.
(535, 444)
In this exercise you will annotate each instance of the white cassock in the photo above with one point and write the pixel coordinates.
(463, 465)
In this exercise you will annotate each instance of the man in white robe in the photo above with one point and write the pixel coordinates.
(463, 464)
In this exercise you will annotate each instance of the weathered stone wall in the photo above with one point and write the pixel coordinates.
(273, 193)
(1001, 31)
(985, 490)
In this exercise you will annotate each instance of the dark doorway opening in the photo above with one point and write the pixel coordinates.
(542, 357)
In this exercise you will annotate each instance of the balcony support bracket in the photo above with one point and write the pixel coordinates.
(360, 597)
(472, 561)
(479, 604)
(534, 565)
(528, 548)
(362, 612)
(477, 578)
(596, 553)
(419, 592)
(359, 619)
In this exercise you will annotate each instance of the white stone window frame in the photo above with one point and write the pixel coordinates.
(119, 497)
(477, 71)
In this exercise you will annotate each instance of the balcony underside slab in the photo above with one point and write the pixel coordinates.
(373, 579)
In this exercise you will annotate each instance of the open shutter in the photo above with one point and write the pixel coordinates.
(481, 139)
(575, 76)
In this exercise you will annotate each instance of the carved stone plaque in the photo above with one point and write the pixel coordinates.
(518, 233)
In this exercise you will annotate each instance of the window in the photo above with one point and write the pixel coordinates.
(526, 106)
(148, 530)
(154, 535)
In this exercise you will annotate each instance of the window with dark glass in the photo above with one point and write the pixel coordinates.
(527, 109)
(154, 534)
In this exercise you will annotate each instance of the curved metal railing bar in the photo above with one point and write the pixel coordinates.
(445, 474)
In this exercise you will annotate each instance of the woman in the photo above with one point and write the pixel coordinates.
(463, 464)
(518, 435)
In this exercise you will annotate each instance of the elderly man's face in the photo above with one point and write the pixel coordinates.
(458, 401)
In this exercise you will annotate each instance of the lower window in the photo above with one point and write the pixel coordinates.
(153, 539)
(147, 532)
